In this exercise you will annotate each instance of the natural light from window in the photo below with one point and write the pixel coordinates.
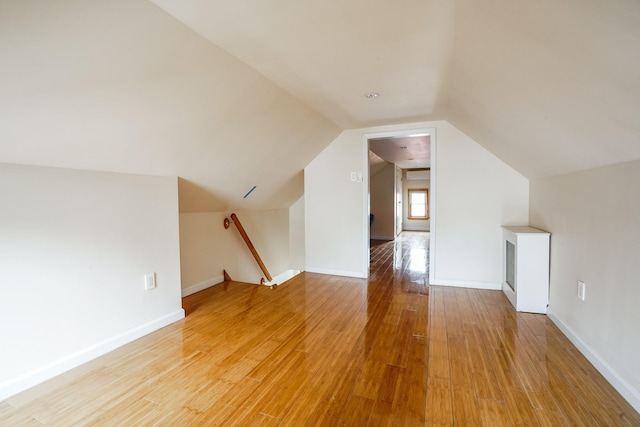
(418, 203)
(418, 260)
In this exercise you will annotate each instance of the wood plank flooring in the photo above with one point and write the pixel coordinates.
(333, 351)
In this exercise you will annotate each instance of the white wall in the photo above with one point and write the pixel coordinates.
(74, 249)
(296, 235)
(412, 224)
(207, 248)
(334, 208)
(594, 220)
(476, 194)
(382, 203)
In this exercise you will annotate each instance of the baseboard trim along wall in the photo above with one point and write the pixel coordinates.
(465, 284)
(283, 277)
(414, 228)
(53, 369)
(627, 391)
(278, 280)
(202, 286)
(381, 238)
(330, 272)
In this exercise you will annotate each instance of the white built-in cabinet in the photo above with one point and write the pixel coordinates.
(526, 268)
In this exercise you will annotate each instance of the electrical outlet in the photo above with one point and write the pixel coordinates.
(149, 281)
(354, 176)
(581, 290)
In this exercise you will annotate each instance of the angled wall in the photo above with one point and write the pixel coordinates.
(122, 86)
(528, 78)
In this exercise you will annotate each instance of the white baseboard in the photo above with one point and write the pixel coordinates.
(283, 277)
(29, 379)
(627, 391)
(330, 272)
(465, 284)
(278, 280)
(202, 286)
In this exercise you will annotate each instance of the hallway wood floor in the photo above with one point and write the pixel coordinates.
(331, 351)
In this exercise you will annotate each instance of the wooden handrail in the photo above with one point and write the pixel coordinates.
(246, 239)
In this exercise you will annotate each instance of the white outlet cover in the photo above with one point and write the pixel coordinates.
(581, 290)
(149, 281)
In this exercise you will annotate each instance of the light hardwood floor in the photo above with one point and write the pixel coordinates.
(330, 351)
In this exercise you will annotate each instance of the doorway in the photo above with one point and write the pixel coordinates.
(401, 151)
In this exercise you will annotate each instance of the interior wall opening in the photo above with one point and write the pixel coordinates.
(401, 191)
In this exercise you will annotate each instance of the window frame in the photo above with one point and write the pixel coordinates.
(426, 204)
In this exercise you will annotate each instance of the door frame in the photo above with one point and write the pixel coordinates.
(431, 131)
(398, 193)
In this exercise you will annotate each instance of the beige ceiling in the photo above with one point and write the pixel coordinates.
(231, 94)
(548, 86)
(329, 53)
(122, 86)
(406, 152)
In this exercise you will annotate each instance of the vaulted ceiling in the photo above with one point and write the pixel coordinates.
(330, 53)
(228, 95)
(548, 86)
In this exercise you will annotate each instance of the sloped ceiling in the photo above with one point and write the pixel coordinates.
(330, 53)
(228, 95)
(548, 86)
(122, 86)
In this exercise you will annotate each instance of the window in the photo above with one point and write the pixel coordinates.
(418, 203)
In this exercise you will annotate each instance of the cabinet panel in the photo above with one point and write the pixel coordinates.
(526, 268)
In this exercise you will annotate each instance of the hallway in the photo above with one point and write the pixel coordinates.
(407, 256)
